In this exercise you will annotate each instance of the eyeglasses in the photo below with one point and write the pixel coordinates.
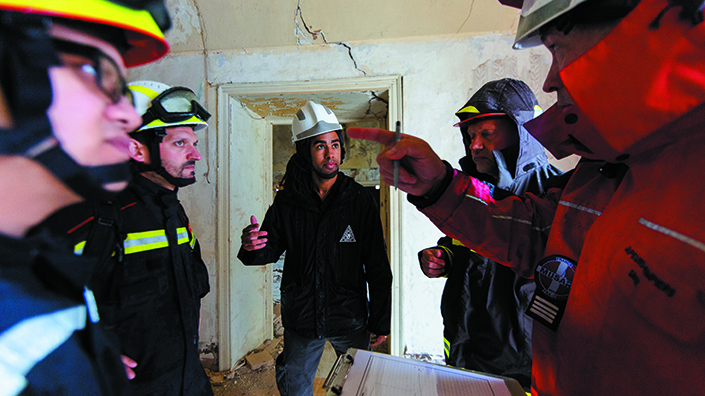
(103, 68)
(174, 105)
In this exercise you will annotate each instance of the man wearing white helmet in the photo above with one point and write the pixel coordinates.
(65, 116)
(330, 228)
(619, 302)
(149, 290)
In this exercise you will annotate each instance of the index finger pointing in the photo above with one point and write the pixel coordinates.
(383, 136)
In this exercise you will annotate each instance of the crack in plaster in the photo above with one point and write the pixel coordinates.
(298, 32)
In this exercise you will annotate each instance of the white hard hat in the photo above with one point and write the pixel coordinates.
(313, 119)
(535, 14)
(162, 106)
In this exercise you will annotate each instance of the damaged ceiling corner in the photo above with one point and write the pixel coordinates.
(346, 105)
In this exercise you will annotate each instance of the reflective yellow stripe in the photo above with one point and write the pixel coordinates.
(148, 240)
(191, 121)
(78, 249)
(101, 11)
(181, 235)
(149, 92)
(446, 347)
(458, 243)
(469, 109)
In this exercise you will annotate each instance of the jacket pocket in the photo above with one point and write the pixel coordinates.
(144, 291)
(664, 289)
(288, 300)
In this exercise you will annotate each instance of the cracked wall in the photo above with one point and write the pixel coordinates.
(439, 75)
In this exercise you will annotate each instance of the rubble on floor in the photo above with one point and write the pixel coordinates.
(252, 375)
(278, 327)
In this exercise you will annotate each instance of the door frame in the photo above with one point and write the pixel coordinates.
(228, 232)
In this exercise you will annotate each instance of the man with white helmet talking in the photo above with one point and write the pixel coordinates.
(149, 291)
(330, 228)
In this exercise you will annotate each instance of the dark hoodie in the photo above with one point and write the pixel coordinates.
(483, 302)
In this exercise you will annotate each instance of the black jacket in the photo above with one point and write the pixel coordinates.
(483, 302)
(149, 292)
(334, 251)
(59, 345)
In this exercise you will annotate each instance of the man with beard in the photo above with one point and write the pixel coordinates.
(149, 290)
(329, 226)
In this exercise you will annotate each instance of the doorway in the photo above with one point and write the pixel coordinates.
(249, 116)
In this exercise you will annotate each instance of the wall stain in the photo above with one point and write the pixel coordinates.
(282, 107)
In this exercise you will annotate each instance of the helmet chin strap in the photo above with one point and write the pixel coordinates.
(177, 181)
(86, 181)
(24, 37)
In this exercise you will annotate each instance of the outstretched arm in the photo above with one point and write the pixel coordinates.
(512, 231)
(421, 170)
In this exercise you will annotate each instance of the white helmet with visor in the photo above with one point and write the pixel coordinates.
(162, 106)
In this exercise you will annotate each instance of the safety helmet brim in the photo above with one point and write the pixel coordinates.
(146, 40)
(535, 14)
(194, 122)
(313, 119)
(163, 106)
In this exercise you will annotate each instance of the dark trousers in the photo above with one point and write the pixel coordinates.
(298, 362)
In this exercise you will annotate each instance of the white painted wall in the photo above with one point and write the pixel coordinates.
(439, 75)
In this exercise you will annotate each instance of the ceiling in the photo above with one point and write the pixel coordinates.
(346, 105)
(221, 25)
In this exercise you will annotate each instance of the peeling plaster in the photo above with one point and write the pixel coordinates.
(281, 107)
(439, 76)
(184, 17)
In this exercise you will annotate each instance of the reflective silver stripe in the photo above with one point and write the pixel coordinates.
(148, 240)
(673, 234)
(181, 235)
(320, 128)
(476, 198)
(522, 221)
(579, 207)
(28, 342)
(91, 305)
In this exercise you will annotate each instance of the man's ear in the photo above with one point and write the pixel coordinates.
(138, 151)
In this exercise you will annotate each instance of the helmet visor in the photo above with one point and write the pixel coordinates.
(174, 105)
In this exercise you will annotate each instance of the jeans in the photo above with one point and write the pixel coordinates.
(297, 364)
